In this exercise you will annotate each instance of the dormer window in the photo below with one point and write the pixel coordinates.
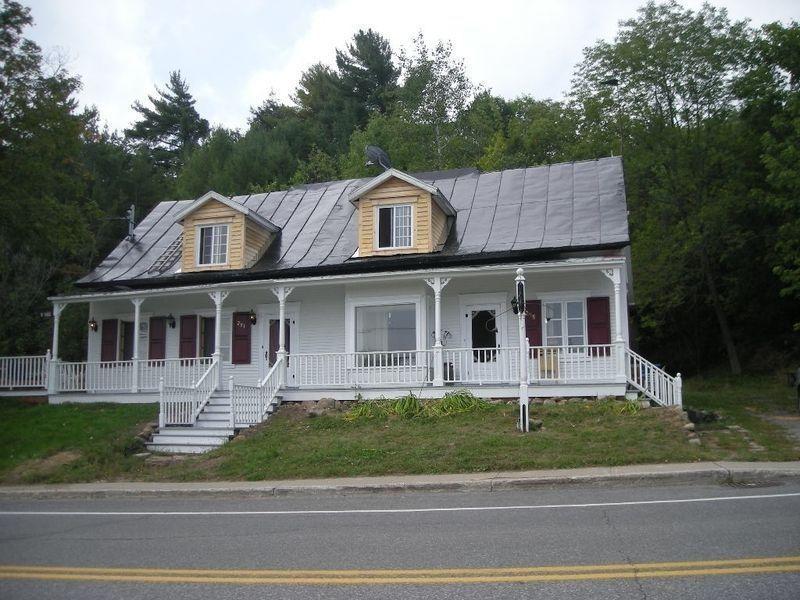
(213, 246)
(395, 226)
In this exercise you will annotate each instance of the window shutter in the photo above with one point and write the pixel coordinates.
(188, 341)
(385, 227)
(598, 320)
(108, 343)
(157, 342)
(533, 322)
(274, 336)
(128, 333)
(240, 339)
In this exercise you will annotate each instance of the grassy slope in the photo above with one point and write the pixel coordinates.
(99, 432)
(292, 445)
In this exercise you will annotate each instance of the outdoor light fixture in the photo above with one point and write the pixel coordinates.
(253, 318)
(92, 324)
(171, 321)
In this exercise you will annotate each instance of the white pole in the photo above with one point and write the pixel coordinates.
(524, 417)
(281, 293)
(137, 318)
(437, 285)
(218, 297)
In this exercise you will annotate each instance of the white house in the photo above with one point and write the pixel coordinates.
(220, 308)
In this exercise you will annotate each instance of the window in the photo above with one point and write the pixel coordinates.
(564, 323)
(213, 245)
(394, 226)
(385, 329)
(207, 331)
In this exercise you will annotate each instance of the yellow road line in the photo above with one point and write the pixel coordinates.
(786, 564)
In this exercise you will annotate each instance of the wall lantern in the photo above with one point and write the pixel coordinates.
(92, 324)
(171, 321)
(253, 318)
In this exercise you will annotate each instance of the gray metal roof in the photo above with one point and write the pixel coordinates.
(561, 206)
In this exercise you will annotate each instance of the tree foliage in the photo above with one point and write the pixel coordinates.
(704, 109)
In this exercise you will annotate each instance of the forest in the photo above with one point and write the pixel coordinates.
(705, 111)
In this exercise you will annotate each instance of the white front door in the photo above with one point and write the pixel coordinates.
(484, 335)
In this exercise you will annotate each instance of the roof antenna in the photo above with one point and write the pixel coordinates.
(130, 218)
(376, 156)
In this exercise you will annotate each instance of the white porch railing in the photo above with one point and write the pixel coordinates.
(23, 372)
(181, 405)
(573, 364)
(250, 403)
(109, 376)
(355, 369)
(652, 381)
(481, 365)
(178, 372)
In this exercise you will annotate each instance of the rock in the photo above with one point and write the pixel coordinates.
(165, 459)
(689, 426)
(535, 424)
(549, 401)
(695, 441)
(142, 454)
(326, 403)
(147, 431)
(644, 404)
(316, 412)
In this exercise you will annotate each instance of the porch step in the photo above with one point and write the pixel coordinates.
(189, 440)
(182, 448)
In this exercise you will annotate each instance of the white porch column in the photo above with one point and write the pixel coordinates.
(281, 293)
(615, 275)
(218, 297)
(437, 284)
(52, 376)
(137, 318)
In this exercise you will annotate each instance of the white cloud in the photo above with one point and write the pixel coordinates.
(234, 53)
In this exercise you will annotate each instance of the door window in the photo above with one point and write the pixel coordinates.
(484, 335)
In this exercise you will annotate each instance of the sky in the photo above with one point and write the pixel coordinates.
(235, 53)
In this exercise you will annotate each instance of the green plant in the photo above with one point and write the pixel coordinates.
(453, 403)
(629, 407)
(406, 407)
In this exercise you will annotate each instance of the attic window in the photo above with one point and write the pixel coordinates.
(213, 246)
(394, 226)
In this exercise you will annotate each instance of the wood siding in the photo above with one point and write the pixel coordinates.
(429, 222)
(246, 240)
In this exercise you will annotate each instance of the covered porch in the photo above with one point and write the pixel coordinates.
(371, 334)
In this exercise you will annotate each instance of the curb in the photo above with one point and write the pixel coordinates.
(717, 472)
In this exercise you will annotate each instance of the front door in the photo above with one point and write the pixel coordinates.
(484, 334)
(269, 345)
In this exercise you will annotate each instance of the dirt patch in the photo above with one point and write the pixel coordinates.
(42, 467)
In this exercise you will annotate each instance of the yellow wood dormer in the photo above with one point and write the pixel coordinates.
(400, 214)
(221, 234)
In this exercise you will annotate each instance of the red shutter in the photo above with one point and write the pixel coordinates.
(274, 340)
(108, 343)
(128, 333)
(533, 322)
(240, 339)
(598, 321)
(157, 345)
(188, 341)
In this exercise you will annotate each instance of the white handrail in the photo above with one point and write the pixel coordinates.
(652, 381)
(354, 369)
(250, 403)
(27, 372)
(181, 405)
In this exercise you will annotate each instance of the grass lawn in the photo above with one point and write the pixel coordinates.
(96, 439)
(68, 442)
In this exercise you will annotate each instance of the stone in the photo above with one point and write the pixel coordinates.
(689, 426)
(142, 454)
(644, 404)
(695, 441)
(536, 424)
(328, 403)
(549, 401)
(316, 412)
(165, 459)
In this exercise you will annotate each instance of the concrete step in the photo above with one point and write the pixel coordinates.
(217, 409)
(193, 431)
(192, 440)
(212, 423)
(182, 448)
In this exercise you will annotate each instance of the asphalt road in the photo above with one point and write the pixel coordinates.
(687, 541)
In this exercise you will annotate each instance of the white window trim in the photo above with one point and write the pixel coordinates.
(376, 225)
(198, 241)
(563, 299)
(352, 302)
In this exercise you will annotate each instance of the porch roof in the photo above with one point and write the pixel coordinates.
(531, 213)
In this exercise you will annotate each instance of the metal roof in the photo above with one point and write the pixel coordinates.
(565, 206)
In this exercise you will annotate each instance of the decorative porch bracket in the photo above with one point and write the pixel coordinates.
(52, 374)
(137, 318)
(615, 276)
(282, 293)
(218, 297)
(437, 284)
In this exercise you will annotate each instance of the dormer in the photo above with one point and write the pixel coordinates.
(221, 234)
(400, 214)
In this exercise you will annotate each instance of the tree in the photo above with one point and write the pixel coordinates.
(675, 70)
(435, 92)
(171, 127)
(368, 73)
